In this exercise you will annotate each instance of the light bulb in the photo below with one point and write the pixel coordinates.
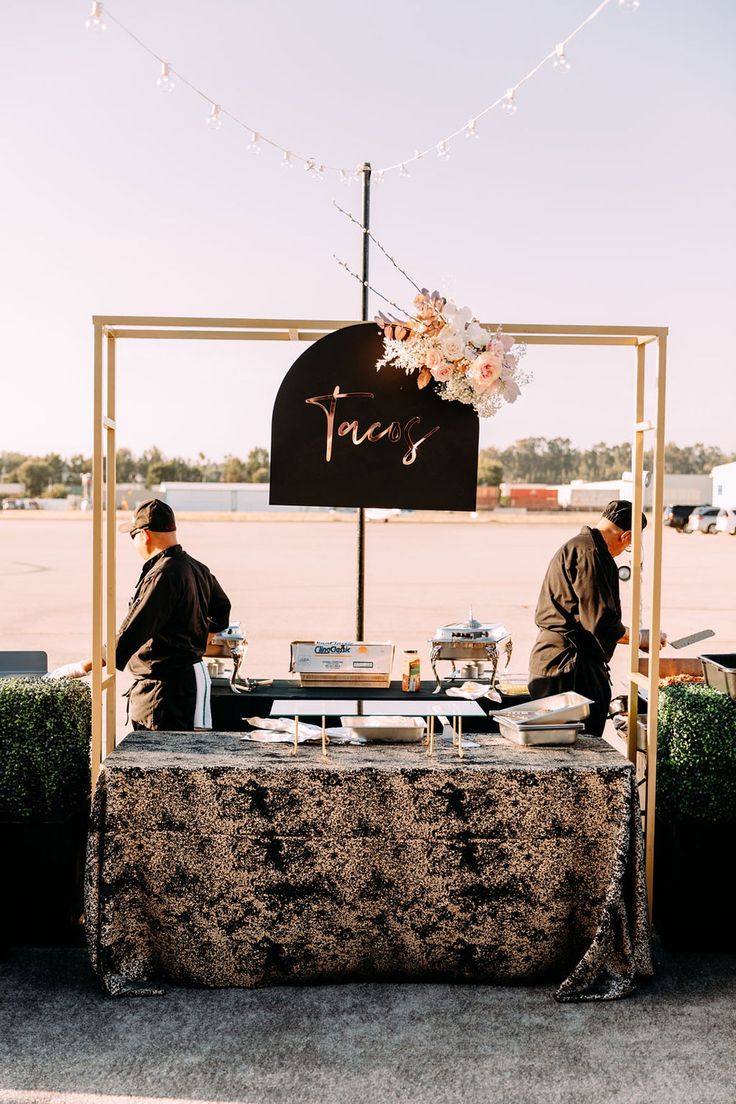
(417, 154)
(255, 142)
(508, 103)
(443, 151)
(319, 172)
(470, 131)
(561, 64)
(403, 171)
(94, 20)
(214, 122)
(165, 81)
(628, 5)
(344, 178)
(286, 162)
(310, 165)
(380, 176)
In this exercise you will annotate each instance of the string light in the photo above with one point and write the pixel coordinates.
(165, 81)
(561, 64)
(94, 20)
(255, 143)
(380, 176)
(508, 103)
(557, 57)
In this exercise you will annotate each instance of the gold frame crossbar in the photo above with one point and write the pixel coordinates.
(109, 329)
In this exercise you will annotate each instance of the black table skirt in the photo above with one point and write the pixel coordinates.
(216, 862)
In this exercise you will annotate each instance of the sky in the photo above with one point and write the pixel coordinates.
(607, 198)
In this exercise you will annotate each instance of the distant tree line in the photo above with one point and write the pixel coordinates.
(54, 476)
(556, 460)
(529, 460)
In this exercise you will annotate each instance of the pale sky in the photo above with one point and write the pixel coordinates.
(607, 198)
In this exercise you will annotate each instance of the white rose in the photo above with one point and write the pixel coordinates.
(452, 345)
(476, 335)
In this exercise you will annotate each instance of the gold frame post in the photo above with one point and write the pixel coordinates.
(655, 621)
(97, 554)
(109, 683)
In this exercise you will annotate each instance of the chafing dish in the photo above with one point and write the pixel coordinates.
(479, 644)
(231, 643)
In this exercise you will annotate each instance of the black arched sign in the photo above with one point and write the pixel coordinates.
(343, 434)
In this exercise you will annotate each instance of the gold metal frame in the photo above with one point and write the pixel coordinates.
(109, 328)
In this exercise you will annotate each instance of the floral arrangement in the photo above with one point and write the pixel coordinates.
(445, 343)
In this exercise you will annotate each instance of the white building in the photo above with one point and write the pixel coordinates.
(724, 485)
(679, 490)
(580, 495)
(220, 497)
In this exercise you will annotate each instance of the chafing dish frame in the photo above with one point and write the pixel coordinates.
(463, 642)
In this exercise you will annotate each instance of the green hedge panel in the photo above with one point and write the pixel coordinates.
(45, 732)
(696, 755)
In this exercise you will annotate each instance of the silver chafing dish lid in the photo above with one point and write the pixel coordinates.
(471, 631)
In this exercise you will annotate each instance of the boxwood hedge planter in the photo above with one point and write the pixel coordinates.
(695, 838)
(44, 808)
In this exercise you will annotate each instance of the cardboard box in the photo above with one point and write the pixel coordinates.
(342, 662)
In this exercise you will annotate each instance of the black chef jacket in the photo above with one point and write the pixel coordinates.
(176, 603)
(579, 619)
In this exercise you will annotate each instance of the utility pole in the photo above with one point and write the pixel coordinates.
(360, 592)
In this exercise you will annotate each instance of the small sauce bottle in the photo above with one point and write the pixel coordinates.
(410, 678)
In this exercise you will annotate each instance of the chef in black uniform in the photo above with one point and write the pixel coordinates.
(176, 603)
(579, 615)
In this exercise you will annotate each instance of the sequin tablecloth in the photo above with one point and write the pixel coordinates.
(212, 862)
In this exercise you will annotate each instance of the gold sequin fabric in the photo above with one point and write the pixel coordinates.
(218, 863)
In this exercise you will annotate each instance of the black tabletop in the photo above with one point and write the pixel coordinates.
(229, 708)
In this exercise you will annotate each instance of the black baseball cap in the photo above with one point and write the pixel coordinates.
(152, 514)
(621, 514)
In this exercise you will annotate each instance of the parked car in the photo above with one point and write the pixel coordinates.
(703, 519)
(12, 504)
(678, 517)
(726, 521)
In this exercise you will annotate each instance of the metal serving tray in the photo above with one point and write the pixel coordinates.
(540, 735)
(719, 671)
(386, 730)
(555, 710)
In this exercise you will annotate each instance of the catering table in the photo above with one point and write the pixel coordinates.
(216, 862)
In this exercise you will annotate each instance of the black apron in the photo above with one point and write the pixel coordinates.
(579, 671)
(164, 705)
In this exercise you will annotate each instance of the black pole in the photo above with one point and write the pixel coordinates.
(360, 595)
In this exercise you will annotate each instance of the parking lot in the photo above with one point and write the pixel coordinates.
(295, 579)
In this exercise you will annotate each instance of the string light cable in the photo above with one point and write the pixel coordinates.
(314, 167)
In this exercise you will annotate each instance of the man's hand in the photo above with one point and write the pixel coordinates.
(644, 640)
(69, 670)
